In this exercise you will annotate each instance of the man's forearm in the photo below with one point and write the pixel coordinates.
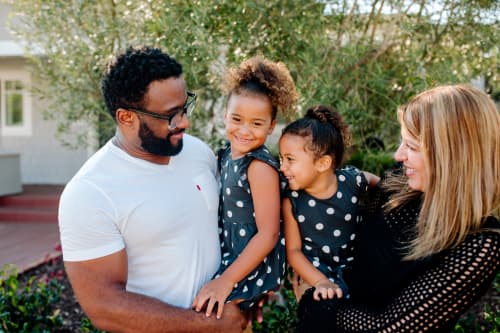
(100, 287)
(131, 312)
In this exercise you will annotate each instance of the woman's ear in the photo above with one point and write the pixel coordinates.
(324, 163)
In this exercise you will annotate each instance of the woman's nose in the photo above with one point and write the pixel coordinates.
(400, 154)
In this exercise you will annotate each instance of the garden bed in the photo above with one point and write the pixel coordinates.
(74, 320)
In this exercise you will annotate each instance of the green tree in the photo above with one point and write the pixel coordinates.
(364, 57)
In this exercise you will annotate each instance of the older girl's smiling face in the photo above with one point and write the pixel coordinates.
(410, 154)
(248, 121)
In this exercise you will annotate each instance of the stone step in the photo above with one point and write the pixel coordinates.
(30, 201)
(24, 214)
(37, 203)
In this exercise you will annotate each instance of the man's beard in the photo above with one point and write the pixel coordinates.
(158, 146)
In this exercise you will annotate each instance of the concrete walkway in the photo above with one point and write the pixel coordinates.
(29, 233)
(27, 245)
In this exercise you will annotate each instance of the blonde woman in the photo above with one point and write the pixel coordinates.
(429, 245)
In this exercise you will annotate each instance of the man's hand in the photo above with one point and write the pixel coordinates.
(233, 319)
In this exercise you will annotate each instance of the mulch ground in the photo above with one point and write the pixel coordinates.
(73, 315)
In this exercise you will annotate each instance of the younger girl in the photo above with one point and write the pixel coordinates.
(253, 255)
(321, 209)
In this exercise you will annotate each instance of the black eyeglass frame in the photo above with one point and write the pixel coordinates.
(168, 117)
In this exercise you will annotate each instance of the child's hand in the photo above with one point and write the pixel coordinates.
(215, 292)
(327, 289)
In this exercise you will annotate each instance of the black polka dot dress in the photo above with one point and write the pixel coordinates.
(237, 226)
(328, 226)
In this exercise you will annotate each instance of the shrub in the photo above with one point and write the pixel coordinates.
(87, 327)
(489, 320)
(28, 307)
(280, 314)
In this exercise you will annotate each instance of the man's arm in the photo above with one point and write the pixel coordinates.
(99, 286)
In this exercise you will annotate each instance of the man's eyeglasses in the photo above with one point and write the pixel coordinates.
(175, 117)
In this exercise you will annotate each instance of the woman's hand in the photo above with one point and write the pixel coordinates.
(326, 289)
(214, 292)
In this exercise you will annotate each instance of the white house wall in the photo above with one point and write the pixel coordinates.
(44, 160)
(4, 12)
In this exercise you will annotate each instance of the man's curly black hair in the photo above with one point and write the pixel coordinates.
(127, 78)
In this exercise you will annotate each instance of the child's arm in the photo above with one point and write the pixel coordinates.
(371, 178)
(265, 189)
(300, 263)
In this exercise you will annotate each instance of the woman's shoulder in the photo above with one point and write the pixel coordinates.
(489, 233)
(489, 230)
(491, 223)
(485, 242)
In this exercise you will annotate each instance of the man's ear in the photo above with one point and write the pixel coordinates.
(124, 117)
(324, 163)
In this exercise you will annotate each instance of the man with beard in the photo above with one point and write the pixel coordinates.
(138, 222)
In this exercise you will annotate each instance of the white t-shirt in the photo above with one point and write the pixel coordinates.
(165, 216)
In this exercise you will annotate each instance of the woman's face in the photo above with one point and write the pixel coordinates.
(410, 154)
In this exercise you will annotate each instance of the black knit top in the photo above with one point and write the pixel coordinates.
(392, 295)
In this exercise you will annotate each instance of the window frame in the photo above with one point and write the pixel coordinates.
(17, 130)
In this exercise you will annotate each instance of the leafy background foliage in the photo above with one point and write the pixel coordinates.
(364, 57)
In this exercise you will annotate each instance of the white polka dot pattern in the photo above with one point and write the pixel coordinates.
(327, 226)
(237, 221)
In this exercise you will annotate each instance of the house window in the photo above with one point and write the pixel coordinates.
(15, 106)
(13, 103)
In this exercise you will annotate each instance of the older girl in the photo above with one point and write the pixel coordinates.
(253, 252)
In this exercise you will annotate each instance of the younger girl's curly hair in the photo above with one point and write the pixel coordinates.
(263, 76)
(325, 130)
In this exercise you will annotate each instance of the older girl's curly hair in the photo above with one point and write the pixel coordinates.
(263, 76)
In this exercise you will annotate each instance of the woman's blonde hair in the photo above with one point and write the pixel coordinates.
(458, 128)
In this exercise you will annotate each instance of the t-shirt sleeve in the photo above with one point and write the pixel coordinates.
(87, 223)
